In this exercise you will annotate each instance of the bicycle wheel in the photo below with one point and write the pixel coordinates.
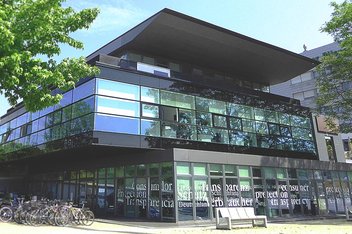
(62, 218)
(88, 217)
(6, 214)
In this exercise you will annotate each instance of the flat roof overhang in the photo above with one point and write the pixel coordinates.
(176, 36)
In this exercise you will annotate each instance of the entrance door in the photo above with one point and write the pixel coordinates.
(87, 193)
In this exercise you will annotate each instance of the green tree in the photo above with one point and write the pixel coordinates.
(35, 29)
(335, 80)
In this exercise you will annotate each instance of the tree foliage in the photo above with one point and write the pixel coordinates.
(35, 29)
(335, 80)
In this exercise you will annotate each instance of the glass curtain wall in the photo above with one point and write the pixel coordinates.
(137, 191)
(73, 115)
(148, 190)
(139, 110)
(275, 192)
(133, 109)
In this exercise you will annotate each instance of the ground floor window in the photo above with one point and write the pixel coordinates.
(181, 191)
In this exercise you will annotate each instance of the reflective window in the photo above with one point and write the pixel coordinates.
(186, 116)
(41, 123)
(66, 99)
(169, 130)
(242, 138)
(261, 127)
(33, 139)
(184, 198)
(210, 105)
(66, 129)
(265, 115)
(240, 111)
(216, 169)
(22, 119)
(84, 90)
(83, 107)
(44, 111)
(183, 168)
(219, 121)
(199, 169)
(284, 118)
(150, 127)
(117, 124)
(269, 172)
(117, 89)
(300, 121)
(35, 125)
(4, 128)
(301, 133)
(35, 115)
(248, 125)
(243, 171)
(265, 141)
(204, 119)
(212, 135)
(274, 129)
(285, 131)
(230, 170)
(186, 132)
(56, 132)
(41, 137)
(303, 145)
(177, 99)
(235, 123)
(150, 95)
(82, 124)
(181, 131)
(151, 111)
(117, 106)
(284, 143)
(66, 113)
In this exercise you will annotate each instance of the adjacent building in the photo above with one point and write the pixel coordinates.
(303, 87)
(180, 120)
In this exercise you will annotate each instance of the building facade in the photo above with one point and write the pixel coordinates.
(303, 87)
(179, 121)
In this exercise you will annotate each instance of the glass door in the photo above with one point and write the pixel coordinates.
(284, 190)
(87, 193)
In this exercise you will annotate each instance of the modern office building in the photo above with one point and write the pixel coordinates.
(303, 87)
(179, 121)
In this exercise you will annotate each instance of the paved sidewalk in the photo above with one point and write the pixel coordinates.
(335, 226)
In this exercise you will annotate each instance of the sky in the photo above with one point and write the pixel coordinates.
(284, 23)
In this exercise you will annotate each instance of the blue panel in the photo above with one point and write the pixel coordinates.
(117, 89)
(118, 106)
(110, 123)
(84, 90)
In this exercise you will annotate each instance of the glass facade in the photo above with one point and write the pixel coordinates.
(162, 113)
(73, 115)
(275, 192)
(151, 191)
(137, 191)
(110, 106)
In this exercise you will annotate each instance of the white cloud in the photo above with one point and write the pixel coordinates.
(113, 14)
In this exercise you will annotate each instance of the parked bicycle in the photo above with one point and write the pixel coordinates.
(46, 212)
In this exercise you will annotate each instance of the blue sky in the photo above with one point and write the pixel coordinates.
(285, 23)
